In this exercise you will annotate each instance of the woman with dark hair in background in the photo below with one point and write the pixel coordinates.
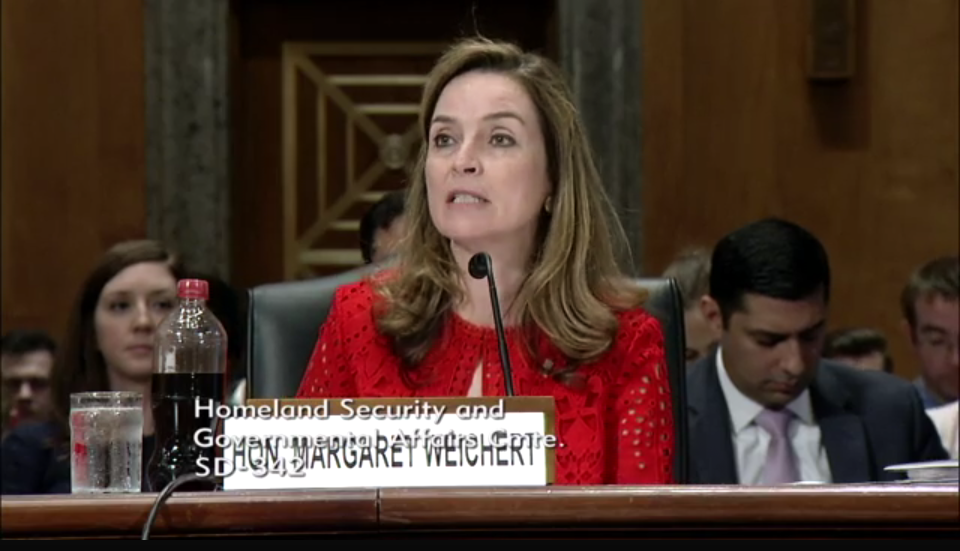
(109, 346)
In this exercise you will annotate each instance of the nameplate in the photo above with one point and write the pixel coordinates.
(383, 443)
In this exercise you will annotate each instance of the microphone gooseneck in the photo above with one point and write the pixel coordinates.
(481, 266)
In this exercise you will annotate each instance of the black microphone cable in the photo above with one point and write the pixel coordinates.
(165, 494)
(217, 425)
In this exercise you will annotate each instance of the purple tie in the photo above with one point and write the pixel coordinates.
(780, 468)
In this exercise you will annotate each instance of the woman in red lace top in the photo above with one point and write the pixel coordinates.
(506, 169)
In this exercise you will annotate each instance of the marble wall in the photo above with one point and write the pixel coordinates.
(600, 52)
(188, 178)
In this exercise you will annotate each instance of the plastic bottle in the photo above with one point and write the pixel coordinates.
(189, 369)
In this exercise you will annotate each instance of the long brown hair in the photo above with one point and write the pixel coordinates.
(80, 366)
(574, 284)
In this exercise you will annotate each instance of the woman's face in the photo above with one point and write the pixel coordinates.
(131, 306)
(486, 167)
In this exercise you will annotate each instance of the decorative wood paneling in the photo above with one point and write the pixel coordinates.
(349, 134)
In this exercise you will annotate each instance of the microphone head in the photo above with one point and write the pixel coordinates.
(479, 265)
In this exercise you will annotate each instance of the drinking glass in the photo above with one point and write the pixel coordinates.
(106, 442)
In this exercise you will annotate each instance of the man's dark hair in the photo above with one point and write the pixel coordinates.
(855, 343)
(380, 216)
(772, 258)
(691, 269)
(938, 278)
(25, 341)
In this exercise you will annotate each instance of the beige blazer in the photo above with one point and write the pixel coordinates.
(945, 418)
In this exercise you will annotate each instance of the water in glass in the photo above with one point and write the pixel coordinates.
(106, 442)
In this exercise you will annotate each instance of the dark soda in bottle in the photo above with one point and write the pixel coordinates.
(189, 369)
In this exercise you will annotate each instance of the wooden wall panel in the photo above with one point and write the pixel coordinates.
(734, 131)
(72, 148)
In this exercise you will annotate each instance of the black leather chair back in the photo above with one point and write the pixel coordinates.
(666, 304)
(283, 323)
(284, 320)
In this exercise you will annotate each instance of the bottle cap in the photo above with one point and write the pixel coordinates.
(193, 288)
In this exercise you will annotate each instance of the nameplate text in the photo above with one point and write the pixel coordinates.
(380, 443)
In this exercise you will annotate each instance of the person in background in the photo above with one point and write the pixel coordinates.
(109, 346)
(863, 348)
(382, 227)
(691, 269)
(26, 360)
(765, 408)
(505, 169)
(931, 320)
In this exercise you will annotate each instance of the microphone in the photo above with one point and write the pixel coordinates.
(480, 267)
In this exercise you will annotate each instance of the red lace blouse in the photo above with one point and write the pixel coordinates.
(617, 428)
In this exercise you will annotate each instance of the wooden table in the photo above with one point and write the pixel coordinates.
(858, 511)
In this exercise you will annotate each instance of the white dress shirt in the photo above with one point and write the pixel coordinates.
(750, 442)
(947, 420)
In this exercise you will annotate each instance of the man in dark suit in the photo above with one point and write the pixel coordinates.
(765, 408)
